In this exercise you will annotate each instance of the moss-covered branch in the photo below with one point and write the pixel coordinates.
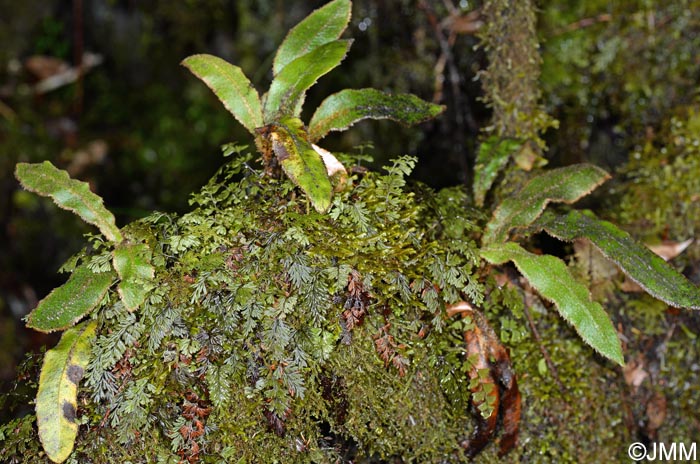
(511, 80)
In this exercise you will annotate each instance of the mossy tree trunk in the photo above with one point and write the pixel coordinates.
(511, 80)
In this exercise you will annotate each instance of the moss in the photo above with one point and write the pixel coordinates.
(280, 336)
(409, 416)
(511, 81)
(20, 442)
(612, 72)
(276, 334)
(659, 194)
(577, 422)
(255, 299)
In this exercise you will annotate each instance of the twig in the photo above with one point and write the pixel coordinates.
(627, 414)
(67, 76)
(451, 8)
(585, 22)
(462, 113)
(543, 350)
(103, 422)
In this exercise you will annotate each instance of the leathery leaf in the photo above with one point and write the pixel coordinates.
(56, 399)
(493, 155)
(320, 27)
(231, 86)
(343, 109)
(73, 195)
(642, 265)
(67, 304)
(567, 185)
(288, 88)
(552, 279)
(132, 262)
(302, 164)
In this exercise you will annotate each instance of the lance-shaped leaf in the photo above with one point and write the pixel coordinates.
(493, 155)
(301, 162)
(343, 109)
(231, 86)
(642, 265)
(552, 279)
(565, 185)
(132, 262)
(73, 195)
(67, 304)
(320, 27)
(288, 88)
(56, 399)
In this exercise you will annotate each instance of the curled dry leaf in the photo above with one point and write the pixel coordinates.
(669, 249)
(356, 304)
(336, 170)
(635, 373)
(387, 348)
(492, 382)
